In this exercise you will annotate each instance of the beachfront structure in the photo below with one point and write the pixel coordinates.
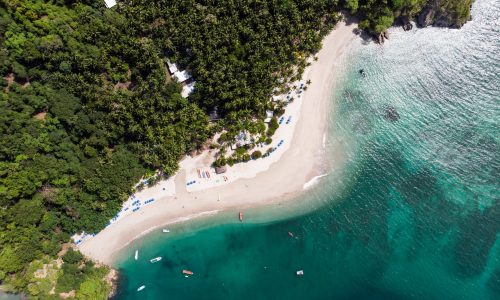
(172, 67)
(110, 3)
(220, 170)
(242, 139)
(269, 116)
(276, 98)
(187, 89)
(182, 76)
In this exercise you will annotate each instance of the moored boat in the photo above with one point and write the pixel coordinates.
(136, 256)
(300, 272)
(156, 259)
(187, 272)
(166, 230)
(241, 216)
(141, 288)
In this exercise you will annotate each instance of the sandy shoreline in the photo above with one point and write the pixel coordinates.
(283, 180)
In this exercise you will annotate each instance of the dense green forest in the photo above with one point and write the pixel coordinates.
(87, 110)
(88, 107)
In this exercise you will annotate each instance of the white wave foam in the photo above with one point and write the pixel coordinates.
(313, 181)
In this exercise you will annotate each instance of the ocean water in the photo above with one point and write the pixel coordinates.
(418, 212)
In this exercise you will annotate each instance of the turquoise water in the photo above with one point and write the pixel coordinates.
(418, 215)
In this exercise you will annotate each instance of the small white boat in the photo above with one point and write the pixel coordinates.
(156, 259)
(166, 230)
(141, 288)
(136, 256)
(300, 272)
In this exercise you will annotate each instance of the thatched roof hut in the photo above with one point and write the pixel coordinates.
(220, 170)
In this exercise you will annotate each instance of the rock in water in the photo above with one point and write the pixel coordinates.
(426, 17)
(406, 24)
(380, 38)
(391, 114)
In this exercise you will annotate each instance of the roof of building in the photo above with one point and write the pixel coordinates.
(276, 98)
(110, 3)
(172, 67)
(242, 138)
(269, 116)
(182, 76)
(187, 89)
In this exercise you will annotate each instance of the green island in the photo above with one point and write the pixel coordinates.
(88, 107)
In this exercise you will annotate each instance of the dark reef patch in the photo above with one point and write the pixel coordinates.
(390, 114)
(478, 232)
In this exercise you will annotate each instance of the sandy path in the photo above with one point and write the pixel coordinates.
(283, 180)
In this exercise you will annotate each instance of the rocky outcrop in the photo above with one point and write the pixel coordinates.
(382, 37)
(426, 17)
(445, 13)
(112, 280)
(406, 24)
(404, 21)
(440, 13)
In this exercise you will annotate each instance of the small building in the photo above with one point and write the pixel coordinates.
(182, 76)
(242, 139)
(220, 170)
(276, 98)
(187, 89)
(172, 67)
(269, 116)
(110, 3)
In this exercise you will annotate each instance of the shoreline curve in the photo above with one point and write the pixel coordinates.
(283, 180)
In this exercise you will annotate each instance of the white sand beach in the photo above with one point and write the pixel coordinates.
(294, 167)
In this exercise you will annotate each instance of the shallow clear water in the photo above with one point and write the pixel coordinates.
(418, 216)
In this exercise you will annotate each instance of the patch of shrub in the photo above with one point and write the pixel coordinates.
(256, 154)
(273, 125)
